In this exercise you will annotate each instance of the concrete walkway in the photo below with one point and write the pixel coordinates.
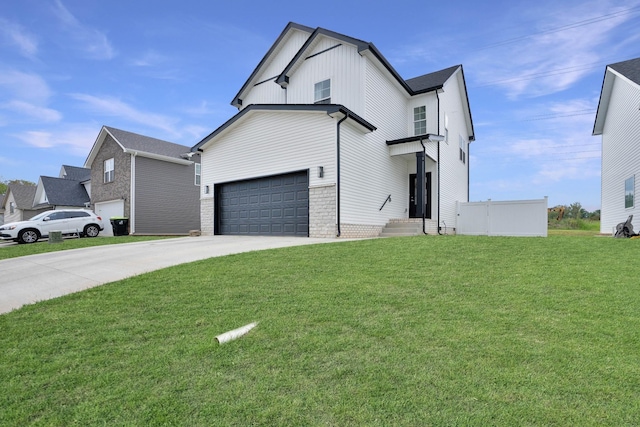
(33, 278)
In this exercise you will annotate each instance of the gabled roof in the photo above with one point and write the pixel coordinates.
(415, 86)
(628, 70)
(75, 173)
(64, 192)
(237, 101)
(22, 194)
(283, 78)
(332, 110)
(432, 81)
(141, 145)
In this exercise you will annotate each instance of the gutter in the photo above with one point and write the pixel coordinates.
(438, 156)
(338, 171)
(424, 213)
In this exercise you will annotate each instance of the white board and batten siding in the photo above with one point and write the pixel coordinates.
(503, 218)
(620, 154)
(266, 90)
(341, 64)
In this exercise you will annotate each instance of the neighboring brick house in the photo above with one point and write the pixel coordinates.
(330, 141)
(153, 183)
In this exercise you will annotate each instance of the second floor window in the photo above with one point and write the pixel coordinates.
(109, 171)
(198, 173)
(322, 92)
(463, 150)
(420, 120)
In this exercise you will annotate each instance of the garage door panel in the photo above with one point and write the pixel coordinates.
(275, 205)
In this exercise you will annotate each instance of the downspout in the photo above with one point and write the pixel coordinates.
(424, 213)
(132, 195)
(438, 167)
(338, 172)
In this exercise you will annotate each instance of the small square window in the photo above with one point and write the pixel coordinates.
(629, 192)
(322, 92)
(420, 120)
(109, 171)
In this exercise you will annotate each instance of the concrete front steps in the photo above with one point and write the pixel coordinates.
(402, 228)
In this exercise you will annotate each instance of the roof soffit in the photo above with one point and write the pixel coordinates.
(603, 101)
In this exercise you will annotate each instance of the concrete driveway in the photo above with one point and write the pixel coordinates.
(33, 278)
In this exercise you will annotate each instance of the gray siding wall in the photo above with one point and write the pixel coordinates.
(167, 201)
(120, 188)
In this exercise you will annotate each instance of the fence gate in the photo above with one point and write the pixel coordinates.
(503, 218)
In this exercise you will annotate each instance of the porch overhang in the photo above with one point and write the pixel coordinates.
(414, 144)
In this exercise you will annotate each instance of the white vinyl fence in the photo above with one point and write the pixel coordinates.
(503, 218)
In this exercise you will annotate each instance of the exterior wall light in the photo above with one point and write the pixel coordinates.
(320, 171)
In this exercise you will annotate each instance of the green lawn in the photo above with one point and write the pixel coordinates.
(42, 246)
(428, 330)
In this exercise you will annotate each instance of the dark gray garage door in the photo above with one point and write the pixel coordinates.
(273, 206)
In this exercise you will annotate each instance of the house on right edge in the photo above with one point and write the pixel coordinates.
(618, 121)
(329, 140)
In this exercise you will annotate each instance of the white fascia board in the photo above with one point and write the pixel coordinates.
(603, 103)
(157, 156)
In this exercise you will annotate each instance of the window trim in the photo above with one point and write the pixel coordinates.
(463, 152)
(109, 175)
(421, 121)
(317, 94)
(198, 174)
(629, 192)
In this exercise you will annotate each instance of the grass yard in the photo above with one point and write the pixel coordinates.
(428, 330)
(42, 246)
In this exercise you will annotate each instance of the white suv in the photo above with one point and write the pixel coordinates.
(68, 221)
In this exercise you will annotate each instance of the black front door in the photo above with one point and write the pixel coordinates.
(413, 196)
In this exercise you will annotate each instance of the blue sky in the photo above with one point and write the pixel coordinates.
(170, 69)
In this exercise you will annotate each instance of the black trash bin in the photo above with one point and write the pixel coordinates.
(120, 226)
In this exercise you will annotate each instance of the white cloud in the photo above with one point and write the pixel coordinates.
(42, 114)
(25, 86)
(77, 139)
(19, 37)
(550, 61)
(113, 107)
(91, 41)
(149, 59)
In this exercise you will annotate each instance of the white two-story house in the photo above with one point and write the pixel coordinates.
(330, 141)
(618, 121)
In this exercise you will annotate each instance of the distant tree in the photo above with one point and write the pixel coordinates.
(5, 184)
(574, 210)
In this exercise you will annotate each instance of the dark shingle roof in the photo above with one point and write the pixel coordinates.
(630, 69)
(76, 173)
(133, 141)
(64, 192)
(431, 81)
(23, 195)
